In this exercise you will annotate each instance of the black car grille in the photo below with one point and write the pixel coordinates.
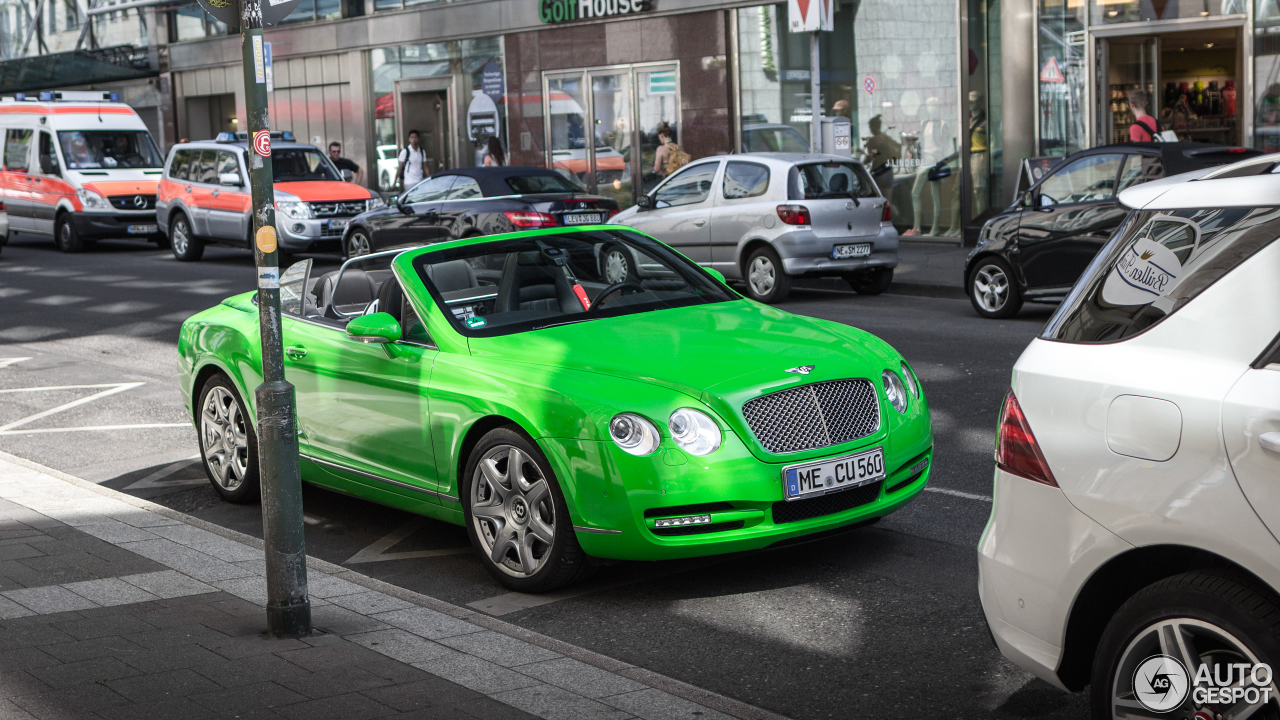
(328, 232)
(131, 202)
(814, 416)
(340, 208)
(829, 504)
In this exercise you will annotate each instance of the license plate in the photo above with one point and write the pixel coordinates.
(850, 251)
(143, 229)
(824, 476)
(582, 219)
(338, 224)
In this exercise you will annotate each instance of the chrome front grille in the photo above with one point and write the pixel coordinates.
(814, 416)
(341, 208)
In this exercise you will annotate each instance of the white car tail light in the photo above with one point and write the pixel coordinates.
(1017, 451)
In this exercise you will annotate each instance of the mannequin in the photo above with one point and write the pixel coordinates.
(933, 132)
(979, 155)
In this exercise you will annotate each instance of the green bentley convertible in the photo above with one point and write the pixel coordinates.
(567, 395)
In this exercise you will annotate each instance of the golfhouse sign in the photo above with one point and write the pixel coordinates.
(558, 11)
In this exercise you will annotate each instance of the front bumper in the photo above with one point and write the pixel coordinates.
(312, 234)
(1035, 555)
(615, 498)
(94, 226)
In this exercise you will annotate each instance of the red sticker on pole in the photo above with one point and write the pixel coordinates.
(262, 143)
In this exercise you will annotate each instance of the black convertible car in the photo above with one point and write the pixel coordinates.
(476, 201)
(1037, 248)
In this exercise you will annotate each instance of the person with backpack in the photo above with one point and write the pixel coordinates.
(1144, 128)
(670, 157)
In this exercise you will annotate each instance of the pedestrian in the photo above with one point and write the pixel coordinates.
(495, 157)
(413, 163)
(1144, 127)
(669, 157)
(882, 151)
(335, 154)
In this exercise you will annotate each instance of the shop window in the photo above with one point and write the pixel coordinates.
(1062, 74)
(1124, 11)
(190, 22)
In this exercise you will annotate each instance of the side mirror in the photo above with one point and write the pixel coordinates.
(232, 179)
(644, 202)
(403, 206)
(715, 274)
(376, 327)
(347, 175)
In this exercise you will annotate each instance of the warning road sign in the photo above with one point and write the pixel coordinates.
(1051, 72)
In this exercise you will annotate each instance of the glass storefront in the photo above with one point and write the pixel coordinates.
(1126, 11)
(1266, 52)
(1063, 76)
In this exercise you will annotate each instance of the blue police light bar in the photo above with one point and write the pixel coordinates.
(19, 96)
(287, 136)
(224, 137)
(115, 97)
(46, 97)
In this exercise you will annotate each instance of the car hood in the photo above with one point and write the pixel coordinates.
(320, 191)
(107, 188)
(723, 353)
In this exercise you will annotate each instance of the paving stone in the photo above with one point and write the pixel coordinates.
(101, 647)
(48, 600)
(180, 683)
(75, 701)
(10, 609)
(11, 661)
(427, 623)
(198, 565)
(9, 711)
(77, 673)
(172, 658)
(327, 586)
(651, 704)
(20, 683)
(477, 674)
(110, 591)
(166, 709)
(246, 671)
(401, 645)
(334, 682)
(19, 551)
(252, 588)
(489, 709)
(500, 649)
(370, 602)
(16, 633)
(114, 531)
(351, 706)
(181, 635)
(553, 703)
(244, 646)
(579, 677)
(341, 621)
(236, 700)
(431, 692)
(168, 584)
(102, 625)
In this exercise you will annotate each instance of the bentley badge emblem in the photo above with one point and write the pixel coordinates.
(802, 370)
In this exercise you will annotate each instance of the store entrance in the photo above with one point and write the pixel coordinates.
(423, 105)
(1193, 80)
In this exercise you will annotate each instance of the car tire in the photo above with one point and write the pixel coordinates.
(512, 518)
(186, 246)
(228, 443)
(617, 265)
(356, 244)
(767, 281)
(1222, 616)
(872, 281)
(65, 235)
(993, 288)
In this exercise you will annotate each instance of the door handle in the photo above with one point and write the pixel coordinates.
(699, 223)
(188, 188)
(215, 193)
(1270, 441)
(295, 351)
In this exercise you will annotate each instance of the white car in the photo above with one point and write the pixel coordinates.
(1132, 544)
(388, 167)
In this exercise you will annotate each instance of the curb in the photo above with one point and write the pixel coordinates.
(680, 689)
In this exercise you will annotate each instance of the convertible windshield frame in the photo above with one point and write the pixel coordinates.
(708, 290)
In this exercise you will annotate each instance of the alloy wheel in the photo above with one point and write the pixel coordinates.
(513, 511)
(762, 276)
(225, 438)
(357, 244)
(991, 287)
(64, 235)
(1193, 643)
(616, 267)
(180, 238)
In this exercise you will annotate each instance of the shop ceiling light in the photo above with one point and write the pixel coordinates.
(679, 521)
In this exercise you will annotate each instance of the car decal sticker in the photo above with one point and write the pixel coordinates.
(476, 322)
(1152, 267)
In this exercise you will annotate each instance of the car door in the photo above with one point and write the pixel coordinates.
(417, 221)
(681, 212)
(47, 185)
(1073, 212)
(228, 205)
(460, 200)
(203, 178)
(741, 204)
(1251, 431)
(17, 178)
(362, 406)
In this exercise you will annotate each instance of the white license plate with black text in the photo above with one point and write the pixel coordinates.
(824, 476)
(582, 219)
(143, 229)
(339, 224)
(840, 252)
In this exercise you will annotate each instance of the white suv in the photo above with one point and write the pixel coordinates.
(1132, 544)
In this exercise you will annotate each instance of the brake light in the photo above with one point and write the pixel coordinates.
(530, 219)
(3, 208)
(886, 215)
(1017, 451)
(793, 214)
(614, 211)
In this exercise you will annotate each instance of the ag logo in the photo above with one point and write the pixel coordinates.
(1161, 683)
(262, 143)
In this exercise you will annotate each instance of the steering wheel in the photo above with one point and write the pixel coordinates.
(599, 301)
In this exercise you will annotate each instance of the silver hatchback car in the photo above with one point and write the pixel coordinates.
(768, 217)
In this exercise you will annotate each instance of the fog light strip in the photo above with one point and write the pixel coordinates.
(686, 520)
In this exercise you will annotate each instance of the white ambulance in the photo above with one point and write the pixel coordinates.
(78, 167)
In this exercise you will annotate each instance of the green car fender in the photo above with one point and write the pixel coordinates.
(219, 340)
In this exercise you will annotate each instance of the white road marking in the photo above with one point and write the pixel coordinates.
(10, 292)
(157, 478)
(6, 362)
(377, 551)
(957, 493)
(146, 426)
(58, 300)
(515, 601)
(114, 388)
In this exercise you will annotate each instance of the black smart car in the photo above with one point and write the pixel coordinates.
(1036, 249)
(476, 201)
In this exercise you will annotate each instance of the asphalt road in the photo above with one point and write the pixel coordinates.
(880, 622)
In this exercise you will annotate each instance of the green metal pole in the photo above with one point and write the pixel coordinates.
(288, 608)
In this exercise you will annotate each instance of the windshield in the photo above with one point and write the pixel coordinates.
(298, 164)
(534, 184)
(93, 149)
(529, 283)
(833, 180)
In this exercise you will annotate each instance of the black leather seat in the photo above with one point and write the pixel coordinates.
(531, 282)
(391, 298)
(357, 289)
(839, 183)
(452, 275)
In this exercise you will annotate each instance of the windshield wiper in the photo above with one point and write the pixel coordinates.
(566, 322)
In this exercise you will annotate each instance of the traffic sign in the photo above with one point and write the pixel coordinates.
(869, 84)
(1051, 72)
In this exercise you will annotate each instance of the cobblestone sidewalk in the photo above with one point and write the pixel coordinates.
(112, 608)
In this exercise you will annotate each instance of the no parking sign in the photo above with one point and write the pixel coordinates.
(869, 84)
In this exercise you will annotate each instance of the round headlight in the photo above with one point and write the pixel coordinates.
(910, 379)
(634, 434)
(894, 390)
(694, 431)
